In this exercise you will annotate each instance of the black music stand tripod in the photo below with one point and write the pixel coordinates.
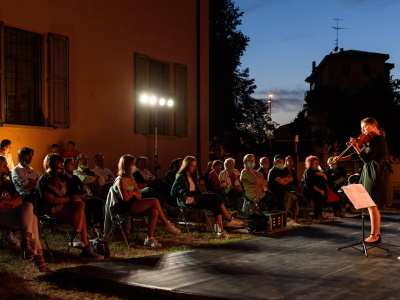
(362, 242)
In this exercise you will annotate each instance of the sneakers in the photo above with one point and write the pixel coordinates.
(77, 242)
(87, 252)
(11, 240)
(224, 234)
(171, 229)
(152, 242)
(292, 223)
(233, 223)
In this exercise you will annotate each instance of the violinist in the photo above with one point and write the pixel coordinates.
(371, 148)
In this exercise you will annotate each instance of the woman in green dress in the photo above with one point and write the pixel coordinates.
(375, 172)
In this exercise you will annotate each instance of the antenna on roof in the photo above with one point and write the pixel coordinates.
(337, 28)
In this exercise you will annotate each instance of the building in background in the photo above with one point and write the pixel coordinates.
(76, 70)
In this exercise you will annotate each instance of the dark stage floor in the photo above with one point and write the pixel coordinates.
(302, 263)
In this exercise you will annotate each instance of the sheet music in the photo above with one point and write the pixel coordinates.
(358, 196)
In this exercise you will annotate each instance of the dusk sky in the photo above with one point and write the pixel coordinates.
(287, 35)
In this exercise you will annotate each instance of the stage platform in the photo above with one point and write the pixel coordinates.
(301, 263)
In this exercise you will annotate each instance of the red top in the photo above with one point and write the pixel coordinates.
(214, 180)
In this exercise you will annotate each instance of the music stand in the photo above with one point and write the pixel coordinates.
(361, 200)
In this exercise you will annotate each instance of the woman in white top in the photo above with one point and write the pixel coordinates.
(230, 182)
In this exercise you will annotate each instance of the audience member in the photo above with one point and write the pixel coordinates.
(70, 151)
(24, 177)
(213, 176)
(289, 168)
(54, 148)
(91, 182)
(254, 185)
(56, 199)
(93, 206)
(230, 183)
(5, 148)
(264, 167)
(130, 200)
(186, 190)
(336, 176)
(315, 188)
(18, 215)
(101, 171)
(174, 168)
(278, 182)
(144, 179)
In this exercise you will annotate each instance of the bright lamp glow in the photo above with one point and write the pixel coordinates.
(162, 101)
(170, 102)
(144, 98)
(153, 100)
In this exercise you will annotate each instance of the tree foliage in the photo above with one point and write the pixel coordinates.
(237, 120)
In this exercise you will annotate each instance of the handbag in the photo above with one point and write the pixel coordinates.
(100, 247)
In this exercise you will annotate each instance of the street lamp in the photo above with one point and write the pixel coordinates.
(155, 101)
(270, 105)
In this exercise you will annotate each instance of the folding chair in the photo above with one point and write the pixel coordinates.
(184, 208)
(45, 219)
(114, 220)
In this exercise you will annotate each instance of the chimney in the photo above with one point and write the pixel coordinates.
(313, 65)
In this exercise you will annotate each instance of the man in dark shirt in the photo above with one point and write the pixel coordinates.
(278, 183)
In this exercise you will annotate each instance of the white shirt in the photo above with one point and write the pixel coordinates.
(105, 173)
(147, 175)
(21, 175)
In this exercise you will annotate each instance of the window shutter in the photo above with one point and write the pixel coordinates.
(58, 81)
(181, 101)
(2, 90)
(141, 85)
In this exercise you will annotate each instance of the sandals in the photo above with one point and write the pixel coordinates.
(26, 245)
(38, 260)
(378, 241)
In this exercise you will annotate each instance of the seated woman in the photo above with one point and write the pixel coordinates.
(315, 188)
(296, 184)
(18, 215)
(255, 186)
(213, 176)
(230, 182)
(61, 202)
(174, 168)
(186, 190)
(93, 205)
(130, 200)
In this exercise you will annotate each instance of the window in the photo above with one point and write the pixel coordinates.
(22, 77)
(21, 84)
(163, 80)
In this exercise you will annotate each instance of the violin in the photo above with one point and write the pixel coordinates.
(361, 140)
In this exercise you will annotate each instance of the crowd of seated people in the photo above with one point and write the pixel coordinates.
(71, 192)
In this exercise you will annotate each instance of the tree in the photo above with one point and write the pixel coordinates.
(237, 121)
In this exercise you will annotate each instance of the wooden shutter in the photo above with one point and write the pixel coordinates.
(181, 101)
(141, 85)
(58, 81)
(2, 89)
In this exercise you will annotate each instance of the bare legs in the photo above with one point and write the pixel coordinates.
(218, 218)
(151, 207)
(375, 224)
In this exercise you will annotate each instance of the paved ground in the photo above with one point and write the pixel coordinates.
(302, 263)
